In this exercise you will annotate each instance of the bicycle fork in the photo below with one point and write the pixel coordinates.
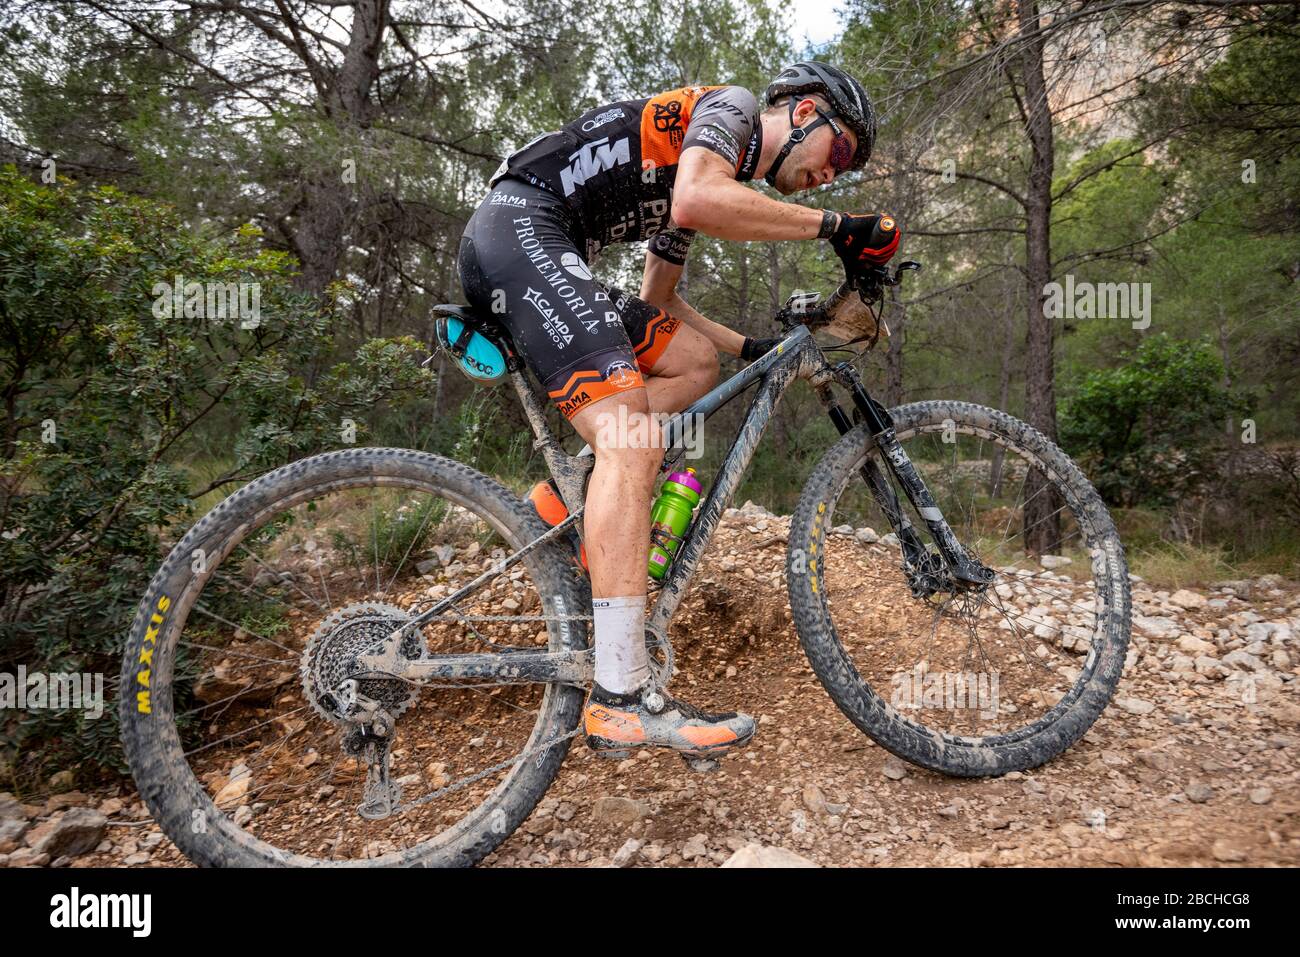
(924, 572)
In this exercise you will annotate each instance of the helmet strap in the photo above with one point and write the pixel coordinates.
(797, 135)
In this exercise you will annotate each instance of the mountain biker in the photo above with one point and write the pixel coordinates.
(660, 168)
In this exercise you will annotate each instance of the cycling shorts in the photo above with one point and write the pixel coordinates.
(520, 264)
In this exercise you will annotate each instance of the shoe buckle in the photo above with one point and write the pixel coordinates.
(653, 701)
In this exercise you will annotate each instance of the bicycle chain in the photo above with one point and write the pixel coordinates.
(466, 782)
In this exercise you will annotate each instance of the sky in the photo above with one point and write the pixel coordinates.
(813, 21)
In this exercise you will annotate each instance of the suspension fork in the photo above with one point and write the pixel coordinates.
(961, 565)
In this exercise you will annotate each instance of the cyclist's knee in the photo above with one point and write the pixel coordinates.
(622, 430)
(690, 355)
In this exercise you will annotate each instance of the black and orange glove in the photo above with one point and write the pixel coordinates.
(864, 241)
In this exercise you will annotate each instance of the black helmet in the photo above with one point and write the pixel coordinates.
(847, 98)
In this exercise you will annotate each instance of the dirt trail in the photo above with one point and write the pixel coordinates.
(1195, 763)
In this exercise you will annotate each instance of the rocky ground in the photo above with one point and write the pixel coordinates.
(1194, 763)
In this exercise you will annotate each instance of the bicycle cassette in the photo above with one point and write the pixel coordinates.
(330, 659)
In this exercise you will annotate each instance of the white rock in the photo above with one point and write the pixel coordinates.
(756, 855)
(1159, 626)
(1243, 660)
(624, 855)
(1054, 561)
(1196, 646)
(1184, 598)
(1205, 665)
(1135, 705)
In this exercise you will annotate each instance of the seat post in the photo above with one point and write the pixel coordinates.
(570, 471)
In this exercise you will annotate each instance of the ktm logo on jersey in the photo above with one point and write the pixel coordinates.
(594, 157)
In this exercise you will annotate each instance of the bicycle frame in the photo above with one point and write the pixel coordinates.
(796, 356)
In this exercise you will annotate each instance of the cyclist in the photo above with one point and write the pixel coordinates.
(660, 168)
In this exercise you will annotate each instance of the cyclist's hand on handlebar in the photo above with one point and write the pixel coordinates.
(862, 242)
(755, 349)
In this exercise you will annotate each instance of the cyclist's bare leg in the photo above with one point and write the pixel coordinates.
(617, 518)
(618, 537)
(687, 370)
(628, 447)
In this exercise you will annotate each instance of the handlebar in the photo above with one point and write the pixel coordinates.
(871, 283)
(811, 310)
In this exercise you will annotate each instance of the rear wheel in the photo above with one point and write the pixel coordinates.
(231, 721)
(967, 682)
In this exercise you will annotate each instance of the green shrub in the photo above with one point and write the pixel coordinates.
(1149, 431)
(107, 395)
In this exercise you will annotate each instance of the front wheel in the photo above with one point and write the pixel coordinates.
(968, 681)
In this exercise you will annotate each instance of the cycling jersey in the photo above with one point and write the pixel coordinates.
(615, 165)
(607, 177)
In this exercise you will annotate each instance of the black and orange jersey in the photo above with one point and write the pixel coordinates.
(615, 165)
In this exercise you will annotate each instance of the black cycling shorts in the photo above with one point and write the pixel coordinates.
(519, 263)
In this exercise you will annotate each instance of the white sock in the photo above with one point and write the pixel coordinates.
(621, 660)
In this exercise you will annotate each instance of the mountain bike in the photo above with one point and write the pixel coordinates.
(379, 656)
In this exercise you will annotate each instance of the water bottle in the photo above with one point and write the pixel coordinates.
(670, 516)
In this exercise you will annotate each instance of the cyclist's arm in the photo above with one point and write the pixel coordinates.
(659, 288)
(708, 198)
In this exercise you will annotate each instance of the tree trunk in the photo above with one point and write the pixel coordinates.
(322, 222)
(1004, 396)
(742, 303)
(1042, 525)
(774, 278)
(894, 357)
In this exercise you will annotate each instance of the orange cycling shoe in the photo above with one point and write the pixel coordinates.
(545, 498)
(648, 718)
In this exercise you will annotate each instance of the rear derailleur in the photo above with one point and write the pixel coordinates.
(368, 736)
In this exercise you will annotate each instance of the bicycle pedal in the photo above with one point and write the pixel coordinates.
(701, 765)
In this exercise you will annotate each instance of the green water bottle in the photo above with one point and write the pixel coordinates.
(669, 517)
